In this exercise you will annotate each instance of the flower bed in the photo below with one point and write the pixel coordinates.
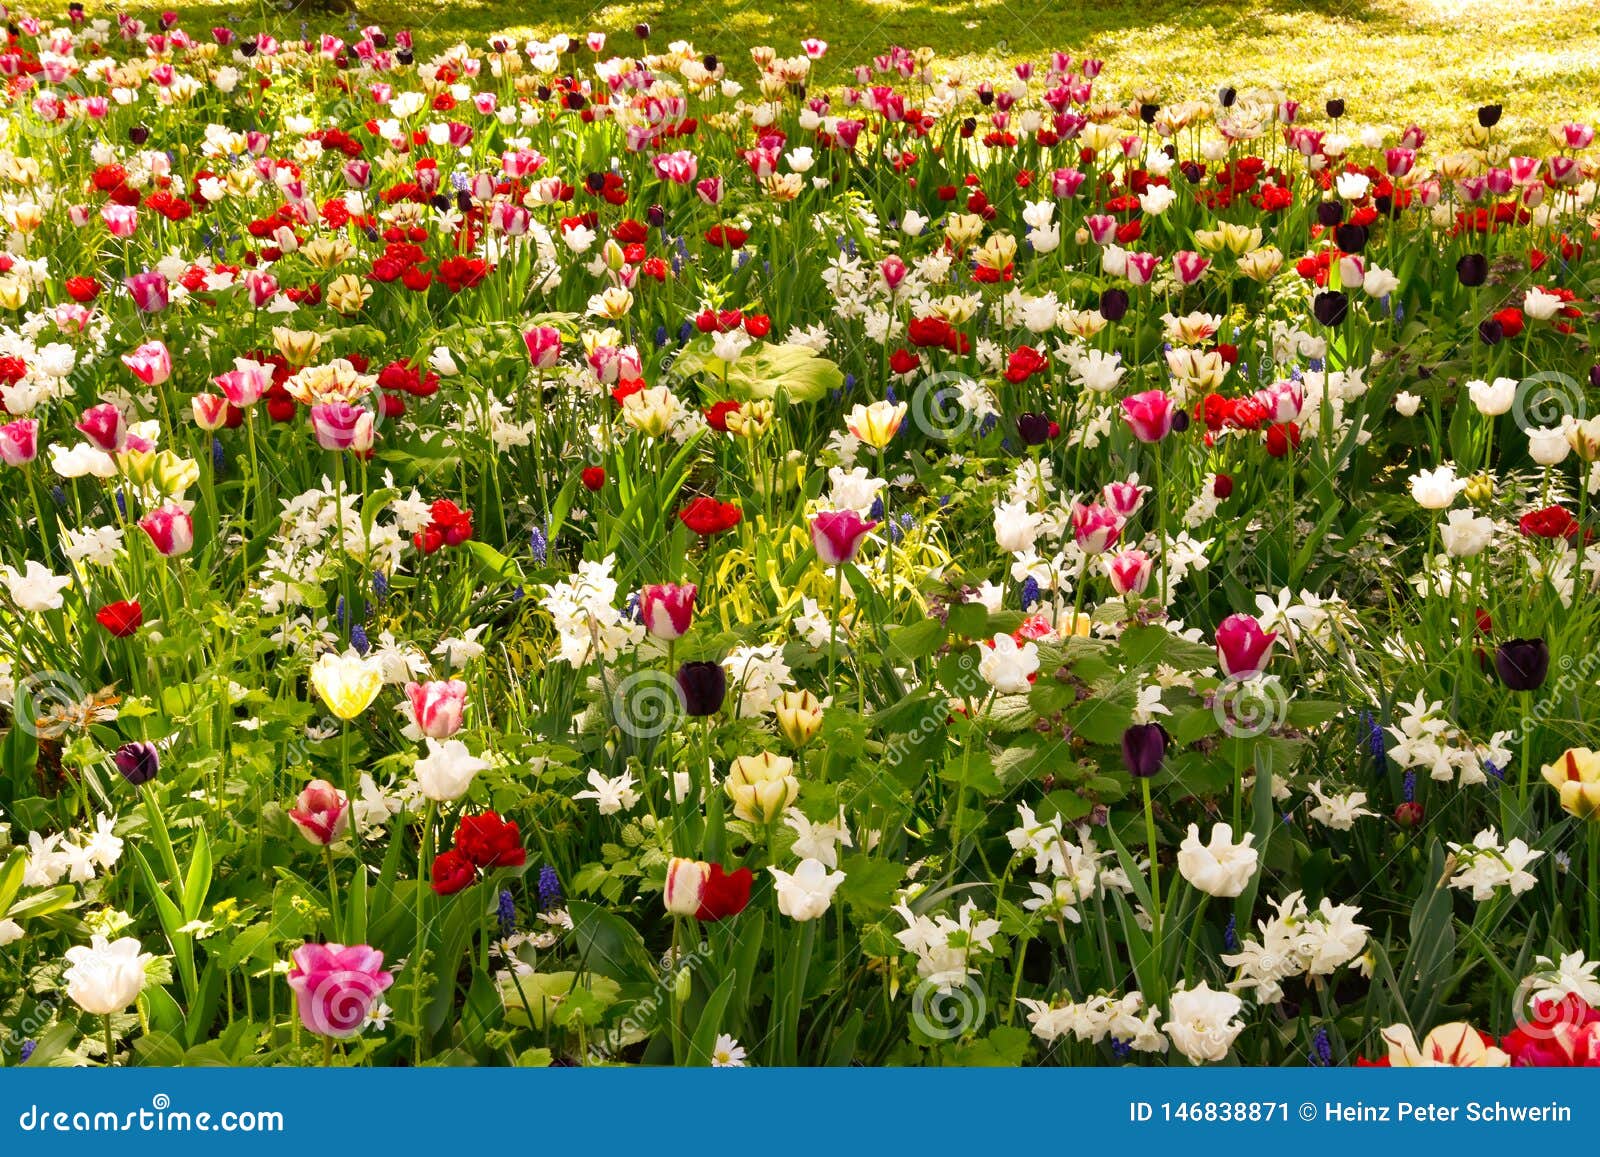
(584, 552)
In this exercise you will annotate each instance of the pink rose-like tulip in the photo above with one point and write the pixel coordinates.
(837, 535)
(342, 426)
(121, 220)
(170, 528)
(151, 363)
(19, 441)
(1243, 648)
(544, 346)
(1149, 415)
(336, 986)
(149, 292)
(321, 812)
(105, 426)
(1095, 527)
(437, 706)
(1129, 571)
(667, 608)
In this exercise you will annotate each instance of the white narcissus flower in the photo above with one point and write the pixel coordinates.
(1006, 666)
(1218, 868)
(1201, 1023)
(446, 772)
(107, 976)
(806, 893)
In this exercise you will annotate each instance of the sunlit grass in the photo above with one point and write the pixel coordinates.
(1394, 62)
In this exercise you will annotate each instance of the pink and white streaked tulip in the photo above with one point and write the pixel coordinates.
(1094, 527)
(151, 363)
(340, 426)
(336, 987)
(19, 441)
(667, 609)
(437, 706)
(837, 535)
(1129, 571)
(170, 529)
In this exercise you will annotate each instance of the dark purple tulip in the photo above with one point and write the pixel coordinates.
(1144, 746)
(1522, 664)
(1329, 213)
(1033, 429)
(1489, 115)
(1594, 375)
(1227, 96)
(1335, 108)
(1490, 331)
(1472, 270)
(137, 761)
(1331, 307)
(702, 686)
(1147, 113)
(1351, 238)
(1114, 304)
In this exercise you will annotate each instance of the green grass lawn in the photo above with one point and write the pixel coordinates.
(1394, 61)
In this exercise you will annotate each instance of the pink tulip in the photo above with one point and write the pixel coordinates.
(1149, 415)
(894, 272)
(336, 987)
(1577, 136)
(667, 608)
(544, 346)
(1283, 401)
(1124, 498)
(680, 167)
(105, 426)
(1102, 227)
(837, 535)
(1243, 648)
(1141, 268)
(437, 706)
(1094, 527)
(321, 812)
(340, 426)
(261, 286)
(170, 528)
(1189, 267)
(121, 220)
(245, 383)
(1129, 571)
(19, 442)
(151, 363)
(1066, 182)
(149, 292)
(709, 190)
(210, 411)
(357, 173)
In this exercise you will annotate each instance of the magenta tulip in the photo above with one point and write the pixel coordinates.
(336, 987)
(1149, 415)
(667, 608)
(837, 535)
(1243, 648)
(19, 442)
(170, 528)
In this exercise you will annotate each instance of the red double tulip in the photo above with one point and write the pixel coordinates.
(707, 516)
(121, 619)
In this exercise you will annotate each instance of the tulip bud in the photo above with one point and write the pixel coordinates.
(1144, 747)
(138, 762)
(799, 717)
(1522, 664)
(685, 886)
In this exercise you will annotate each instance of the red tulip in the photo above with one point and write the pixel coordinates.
(121, 619)
(1243, 648)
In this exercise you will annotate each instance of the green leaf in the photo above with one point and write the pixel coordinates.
(869, 885)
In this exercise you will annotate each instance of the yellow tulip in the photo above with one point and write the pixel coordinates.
(799, 717)
(347, 683)
(761, 786)
(1576, 775)
(876, 424)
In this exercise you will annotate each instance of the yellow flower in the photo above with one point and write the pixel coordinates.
(348, 294)
(1262, 264)
(297, 346)
(13, 293)
(1576, 775)
(651, 411)
(876, 424)
(347, 683)
(761, 786)
(750, 420)
(1457, 1046)
(799, 717)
